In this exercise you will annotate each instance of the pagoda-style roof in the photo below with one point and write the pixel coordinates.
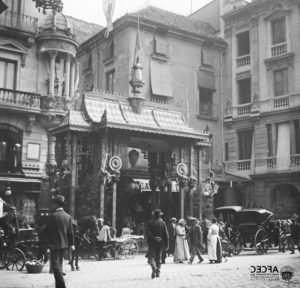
(74, 121)
(100, 112)
(119, 114)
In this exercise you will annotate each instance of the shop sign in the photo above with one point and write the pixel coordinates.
(145, 185)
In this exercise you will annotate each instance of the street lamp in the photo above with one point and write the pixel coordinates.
(8, 193)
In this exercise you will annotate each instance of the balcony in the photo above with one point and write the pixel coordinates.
(19, 22)
(278, 49)
(264, 106)
(280, 102)
(274, 163)
(243, 61)
(19, 100)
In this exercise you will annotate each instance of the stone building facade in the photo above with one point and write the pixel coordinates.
(38, 80)
(176, 118)
(262, 102)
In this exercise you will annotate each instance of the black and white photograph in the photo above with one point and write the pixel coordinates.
(150, 143)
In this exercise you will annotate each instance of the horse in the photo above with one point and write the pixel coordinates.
(85, 232)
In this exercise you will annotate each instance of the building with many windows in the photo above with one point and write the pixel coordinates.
(262, 99)
(38, 80)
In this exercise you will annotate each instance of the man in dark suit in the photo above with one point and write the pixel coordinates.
(195, 236)
(172, 235)
(158, 239)
(59, 232)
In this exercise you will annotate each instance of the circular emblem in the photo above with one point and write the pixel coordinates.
(115, 163)
(287, 273)
(182, 169)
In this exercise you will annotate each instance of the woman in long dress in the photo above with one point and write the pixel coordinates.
(181, 253)
(214, 246)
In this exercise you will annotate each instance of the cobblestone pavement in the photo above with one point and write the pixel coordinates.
(136, 273)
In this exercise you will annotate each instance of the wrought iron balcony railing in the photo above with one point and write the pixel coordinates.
(19, 99)
(17, 21)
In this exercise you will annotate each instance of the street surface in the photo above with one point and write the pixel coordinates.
(136, 273)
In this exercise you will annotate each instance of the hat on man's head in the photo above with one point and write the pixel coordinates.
(100, 219)
(173, 219)
(193, 219)
(157, 213)
(59, 199)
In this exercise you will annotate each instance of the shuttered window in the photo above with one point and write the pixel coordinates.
(7, 74)
(245, 144)
(281, 82)
(278, 31)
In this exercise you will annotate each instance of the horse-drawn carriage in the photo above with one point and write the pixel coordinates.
(18, 245)
(246, 227)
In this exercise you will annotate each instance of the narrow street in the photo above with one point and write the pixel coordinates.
(136, 273)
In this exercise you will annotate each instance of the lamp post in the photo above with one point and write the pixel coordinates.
(8, 194)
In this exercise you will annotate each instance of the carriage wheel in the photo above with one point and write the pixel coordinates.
(261, 240)
(14, 259)
(131, 248)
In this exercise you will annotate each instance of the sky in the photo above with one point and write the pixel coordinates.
(91, 10)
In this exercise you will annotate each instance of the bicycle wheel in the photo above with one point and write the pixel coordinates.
(261, 241)
(14, 258)
(131, 248)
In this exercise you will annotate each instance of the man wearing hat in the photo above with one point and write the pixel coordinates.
(59, 232)
(295, 230)
(158, 239)
(195, 237)
(172, 235)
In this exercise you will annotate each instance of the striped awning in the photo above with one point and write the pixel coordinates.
(74, 121)
(120, 115)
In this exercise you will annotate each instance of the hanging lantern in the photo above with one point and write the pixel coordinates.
(8, 191)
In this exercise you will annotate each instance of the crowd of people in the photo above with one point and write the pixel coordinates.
(182, 239)
(185, 239)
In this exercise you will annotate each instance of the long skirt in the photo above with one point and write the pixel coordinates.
(181, 249)
(214, 248)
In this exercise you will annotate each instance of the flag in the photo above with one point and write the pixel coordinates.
(3, 6)
(108, 9)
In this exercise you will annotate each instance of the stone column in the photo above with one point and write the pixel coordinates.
(72, 79)
(67, 77)
(293, 137)
(114, 204)
(52, 72)
(51, 151)
(73, 176)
